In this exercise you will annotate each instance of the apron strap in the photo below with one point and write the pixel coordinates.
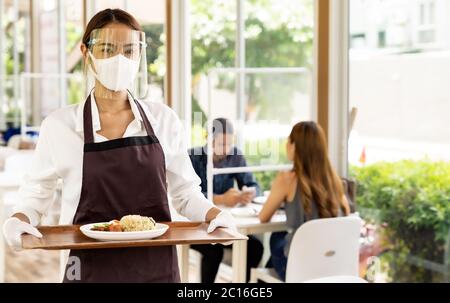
(147, 124)
(87, 121)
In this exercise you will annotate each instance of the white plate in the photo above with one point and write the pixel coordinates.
(159, 230)
(244, 212)
(260, 200)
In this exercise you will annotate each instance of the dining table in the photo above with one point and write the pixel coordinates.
(247, 223)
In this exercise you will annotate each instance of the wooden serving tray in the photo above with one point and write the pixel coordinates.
(70, 237)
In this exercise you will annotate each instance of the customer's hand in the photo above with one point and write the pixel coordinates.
(232, 197)
(13, 228)
(248, 194)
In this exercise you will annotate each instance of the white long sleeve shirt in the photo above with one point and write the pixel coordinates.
(59, 155)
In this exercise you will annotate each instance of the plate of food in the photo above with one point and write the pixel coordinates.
(128, 228)
(260, 200)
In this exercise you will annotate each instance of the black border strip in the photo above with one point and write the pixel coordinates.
(119, 143)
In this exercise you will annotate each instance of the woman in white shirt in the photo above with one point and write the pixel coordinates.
(116, 156)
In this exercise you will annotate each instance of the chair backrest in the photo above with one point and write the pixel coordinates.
(350, 192)
(324, 248)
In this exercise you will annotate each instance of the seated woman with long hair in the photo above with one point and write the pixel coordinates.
(312, 190)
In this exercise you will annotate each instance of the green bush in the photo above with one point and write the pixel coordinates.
(412, 199)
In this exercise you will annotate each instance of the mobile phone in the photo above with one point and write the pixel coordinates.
(246, 189)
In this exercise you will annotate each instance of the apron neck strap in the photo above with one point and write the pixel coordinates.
(147, 124)
(87, 121)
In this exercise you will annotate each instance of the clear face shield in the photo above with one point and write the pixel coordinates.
(117, 62)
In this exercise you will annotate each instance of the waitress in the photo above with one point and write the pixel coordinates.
(116, 156)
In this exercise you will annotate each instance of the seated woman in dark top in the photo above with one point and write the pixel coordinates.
(225, 155)
(312, 190)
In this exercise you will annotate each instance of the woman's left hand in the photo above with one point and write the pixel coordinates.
(223, 219)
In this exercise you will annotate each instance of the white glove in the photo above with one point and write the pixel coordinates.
(13, 228)
(223, 219)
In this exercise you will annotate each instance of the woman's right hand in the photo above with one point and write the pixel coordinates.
(13, 228)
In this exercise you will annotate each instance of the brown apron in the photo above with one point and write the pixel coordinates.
(122, 177)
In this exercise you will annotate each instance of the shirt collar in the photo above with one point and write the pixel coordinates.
(96, 118)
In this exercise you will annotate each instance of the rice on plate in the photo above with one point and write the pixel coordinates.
(137, 223)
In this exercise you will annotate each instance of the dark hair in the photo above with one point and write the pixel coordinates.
(222, 126)
(317, 180)
(109, 16)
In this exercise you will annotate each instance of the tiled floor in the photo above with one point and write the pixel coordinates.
(32, 266)
(43, 267)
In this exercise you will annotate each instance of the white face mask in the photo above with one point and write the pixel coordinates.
(116, 73)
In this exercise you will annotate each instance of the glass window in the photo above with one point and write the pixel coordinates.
(152, 16)
(213, 40)
(423, 19)
(16, 58)
(104, 4)
(45, 90)
(74, 33)
(399, 148)
(33, 47)
(277, 34)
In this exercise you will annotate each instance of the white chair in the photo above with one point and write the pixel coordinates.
(322, 248)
